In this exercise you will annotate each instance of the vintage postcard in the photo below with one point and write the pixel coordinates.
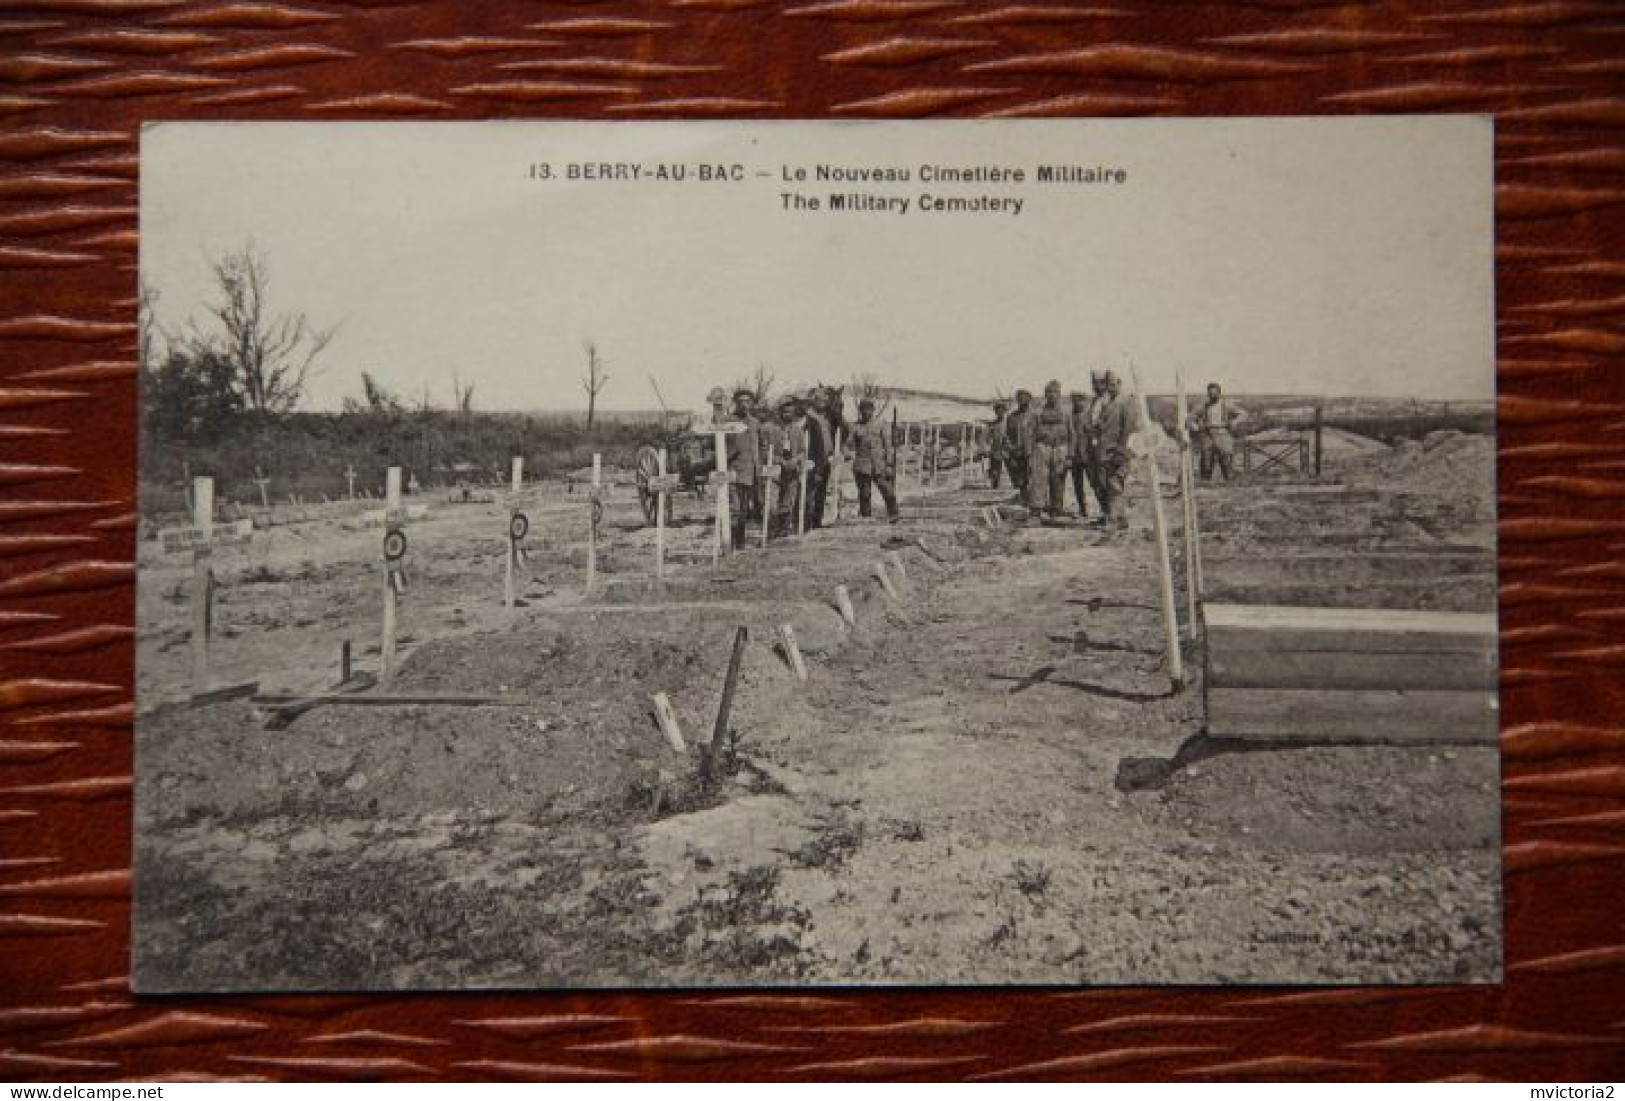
(759, 554)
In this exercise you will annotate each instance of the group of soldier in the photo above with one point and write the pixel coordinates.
(1038, 445)
(780, 457)
(1089, 438)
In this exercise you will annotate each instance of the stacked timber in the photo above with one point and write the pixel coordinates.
(1350, 675)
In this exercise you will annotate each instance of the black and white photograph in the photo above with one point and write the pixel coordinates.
(816, 554)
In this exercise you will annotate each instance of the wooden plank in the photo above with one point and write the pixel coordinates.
(1249, 569)
(1343, 671)
(1450, 592)
(408, 699)
(1352, 716)
(1349, 630)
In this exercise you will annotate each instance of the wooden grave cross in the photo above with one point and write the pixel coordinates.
(394, 568)
(264, 483)
(595, 516)
(663, 484)
(201, 538)
(720, 480)
(349, 478)
(518, 528)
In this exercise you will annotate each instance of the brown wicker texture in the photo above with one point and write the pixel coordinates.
(78, 77)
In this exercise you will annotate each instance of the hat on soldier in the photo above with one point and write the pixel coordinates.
(1111, 376)
(1001, 404)
(1098, 376)
(1024, 394)
(1078, 395)
(866, 403)
(1052, 387)
(744, 392)
(717, 394)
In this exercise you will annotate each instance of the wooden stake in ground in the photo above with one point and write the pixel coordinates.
(1165, 570)
(595, 512)
(515, 531)
(837, 472)
(843, 604)
(202, 580)
(263, 482)
(801, 498)
(662, 487)
(668, 723)
(792, 650)
(719, 731)
(1188, 503)
(349, 480)
(394, 555)
(719, 483)
(886, 582)
(770, 494)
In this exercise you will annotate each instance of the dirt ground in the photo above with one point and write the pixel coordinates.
(988, 780)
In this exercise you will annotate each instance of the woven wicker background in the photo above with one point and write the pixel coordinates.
(77, 77)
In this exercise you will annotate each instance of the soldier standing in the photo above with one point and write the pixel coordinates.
(869, 449)
(1213, 426)
(744, 463)
(998, 443)
(1018, 433)
(1079, 459)
(1091, 440)
(1117, 423)
(1051, 445)
(819, 446)
(792, 453)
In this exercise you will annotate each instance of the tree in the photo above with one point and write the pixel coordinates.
(464, 395)
(271, 354)
(191, 398)
(594, 380)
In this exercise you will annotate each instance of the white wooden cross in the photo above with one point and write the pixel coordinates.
(201, 538)
(837, 471)
(394, 568)
(721, 479)
(349, 478)
(595, 513)
(518, 526)
(263, 482)
(662, 484)
(770, 492)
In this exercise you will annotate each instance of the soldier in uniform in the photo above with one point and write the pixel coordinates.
(998, 443)
(1213, 427)
(1117, 423)
(744, 463)
(1051, 448)
(1018, 435)
(819, 446)
(869, 450)
(1091, 440)
(1078, 461)
(792, 454)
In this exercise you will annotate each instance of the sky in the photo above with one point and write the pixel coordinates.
(1333, 256)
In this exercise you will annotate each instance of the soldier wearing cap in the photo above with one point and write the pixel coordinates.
(1078, 460)
(1213, 426)
(1117, 423)
(820, 444)
(869, 450)
(1091, 443)
(744, 462)
(1051, 452)
(998, 443)
(1018, 433)
(792, 454)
